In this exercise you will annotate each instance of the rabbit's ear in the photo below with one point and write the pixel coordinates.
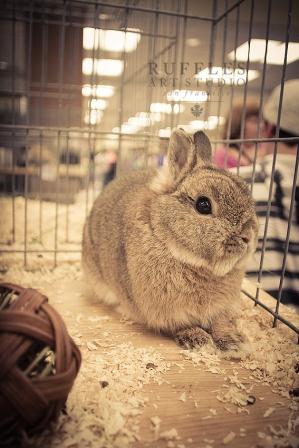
(181, 154)
(184, 153)
(202, 146)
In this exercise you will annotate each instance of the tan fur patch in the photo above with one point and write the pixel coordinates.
(162, 182)
(220, 268)
(101, 290)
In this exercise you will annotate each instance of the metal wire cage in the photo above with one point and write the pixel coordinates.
(86, 83)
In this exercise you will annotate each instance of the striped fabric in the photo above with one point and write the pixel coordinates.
(275, 243)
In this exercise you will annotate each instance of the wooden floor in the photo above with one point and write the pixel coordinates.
(186, 400)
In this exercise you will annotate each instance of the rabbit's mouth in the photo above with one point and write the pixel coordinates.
(239, 248)
(240, 244)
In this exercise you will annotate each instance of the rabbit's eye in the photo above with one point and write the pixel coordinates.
(203, 205)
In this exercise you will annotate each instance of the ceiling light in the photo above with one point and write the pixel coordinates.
(87, 90)
(98, 104)
(227, 75)
(215, 119)
(104, 16)
(127, 128)
(195, 96)
(143, 114)
(166, 108)
(140, 121)
(93, 116)
(156, 117)
(178, 108)
(150, 116)
(211, 123)
(97, 90)
(164, 133)
(88, 66)
(161, 108)
(105, 91)
(198, 124)
(110, 67)
(275, 52)
(111, 40)
(103, 67)
(90, 38)
(193, 42)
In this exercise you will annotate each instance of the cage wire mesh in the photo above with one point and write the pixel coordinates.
(88, 86)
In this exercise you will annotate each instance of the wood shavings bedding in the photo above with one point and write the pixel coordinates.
(70, 229)
(280, 437)
(171, 434)
(228, 438)
(156, 421)
(106, 416)
(182, 397)
(274, 365)
(275, 362)
(268, 412)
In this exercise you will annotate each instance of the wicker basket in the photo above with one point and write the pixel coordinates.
(39, 362)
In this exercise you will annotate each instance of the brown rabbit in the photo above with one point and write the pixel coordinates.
(170, 246)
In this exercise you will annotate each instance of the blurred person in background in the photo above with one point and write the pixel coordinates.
(228, 156)
(110, 172)
(281, 198)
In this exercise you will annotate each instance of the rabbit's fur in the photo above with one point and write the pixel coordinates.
(147, 248)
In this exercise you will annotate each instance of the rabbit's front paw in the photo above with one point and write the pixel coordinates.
(230, 342)
(192, 337)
